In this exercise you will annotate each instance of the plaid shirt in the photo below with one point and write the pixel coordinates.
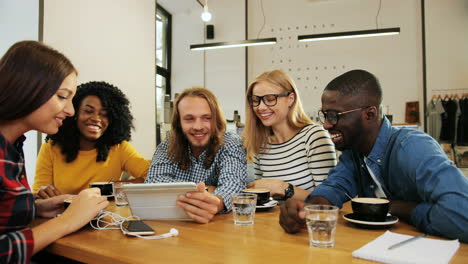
(16, 205)
(228, 171)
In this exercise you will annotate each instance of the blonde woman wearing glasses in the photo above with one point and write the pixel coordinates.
(291, 154)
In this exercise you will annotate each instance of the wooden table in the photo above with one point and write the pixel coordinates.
(222, 242)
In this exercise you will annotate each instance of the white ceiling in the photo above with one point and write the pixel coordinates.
(175, 6)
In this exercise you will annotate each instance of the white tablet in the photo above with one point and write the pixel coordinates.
(157, 200)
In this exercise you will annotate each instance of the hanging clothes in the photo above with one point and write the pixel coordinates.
(449, 117)
(462, 131)
(434, 111)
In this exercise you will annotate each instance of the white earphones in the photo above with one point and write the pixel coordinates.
(173, 232)
(116, 222)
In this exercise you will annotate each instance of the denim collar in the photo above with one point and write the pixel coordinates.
(381, 143)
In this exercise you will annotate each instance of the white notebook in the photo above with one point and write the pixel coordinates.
(422, 250)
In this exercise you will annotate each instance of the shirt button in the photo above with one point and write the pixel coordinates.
(379, 160)
(362, 165)
(372, 186)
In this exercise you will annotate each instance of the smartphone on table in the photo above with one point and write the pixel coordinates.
(137, 227)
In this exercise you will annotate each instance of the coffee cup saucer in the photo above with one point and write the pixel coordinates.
(389, 221)
(268, 204)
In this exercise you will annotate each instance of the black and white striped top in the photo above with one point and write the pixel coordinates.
(303, 161)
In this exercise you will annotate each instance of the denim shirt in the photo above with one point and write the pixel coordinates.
(411, 166)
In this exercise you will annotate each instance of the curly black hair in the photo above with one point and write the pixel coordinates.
(118, 113)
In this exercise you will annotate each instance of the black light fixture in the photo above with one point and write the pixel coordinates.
(233, 44)
(350, 34)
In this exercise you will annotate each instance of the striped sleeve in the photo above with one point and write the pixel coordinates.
(321, 154)
(258, 172)
(16, 247)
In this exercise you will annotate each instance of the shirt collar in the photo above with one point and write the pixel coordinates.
(378, 150)
(192, 157)
(15, 149)
(17, 144)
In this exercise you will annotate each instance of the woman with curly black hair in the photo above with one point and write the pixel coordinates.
(90, 147)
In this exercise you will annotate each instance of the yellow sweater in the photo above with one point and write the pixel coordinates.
(71, 178)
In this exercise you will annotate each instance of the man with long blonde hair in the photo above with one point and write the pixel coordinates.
(198, 149)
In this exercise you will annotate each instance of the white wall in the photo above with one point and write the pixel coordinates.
(395, 60)
(112, 41)
(222, 71)
(187, 28)
(225, 68)
(19, 20)
(446, 46)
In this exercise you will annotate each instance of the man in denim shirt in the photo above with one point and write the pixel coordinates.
(406, 166)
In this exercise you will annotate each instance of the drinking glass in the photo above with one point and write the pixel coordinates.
(120, 196)
(321, 224)
(243, 208)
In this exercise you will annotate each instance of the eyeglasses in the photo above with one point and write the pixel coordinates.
(332, 116)
(268, 99)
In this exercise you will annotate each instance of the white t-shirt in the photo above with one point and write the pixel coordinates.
(378, 191)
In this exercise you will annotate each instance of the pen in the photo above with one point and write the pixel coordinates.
(406, 241)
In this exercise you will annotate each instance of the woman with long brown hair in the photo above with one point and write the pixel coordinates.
(37, 84)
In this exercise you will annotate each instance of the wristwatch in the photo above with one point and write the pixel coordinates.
(289, 192)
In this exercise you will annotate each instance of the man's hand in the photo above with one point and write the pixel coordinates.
(50, 207)
(201, 206)
(47, 191)
(402, 209)
(292, 216)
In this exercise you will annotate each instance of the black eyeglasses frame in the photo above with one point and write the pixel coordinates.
(323, 115)
(262, 98)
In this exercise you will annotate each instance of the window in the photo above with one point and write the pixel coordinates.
(163, 65)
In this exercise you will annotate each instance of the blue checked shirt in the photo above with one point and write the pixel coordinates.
(228, 171)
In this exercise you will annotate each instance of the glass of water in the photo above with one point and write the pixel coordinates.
(119, 194)
(243, 208)
(321, 224)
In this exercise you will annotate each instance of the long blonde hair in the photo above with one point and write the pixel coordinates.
(256, 135)
(178, 143)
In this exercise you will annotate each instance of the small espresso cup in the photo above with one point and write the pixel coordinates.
(107, 188)
(263, 195)
(370, 209)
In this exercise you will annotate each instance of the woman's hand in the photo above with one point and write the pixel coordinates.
(276, 187)
(50, 207)
(47, 191)
(84, 207)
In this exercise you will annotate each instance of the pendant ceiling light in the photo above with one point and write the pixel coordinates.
(233, 44)
(350, 34)
(206, 15)
(353, 34)
(237, 43)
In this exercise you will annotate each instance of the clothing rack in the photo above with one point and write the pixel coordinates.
(456, 93)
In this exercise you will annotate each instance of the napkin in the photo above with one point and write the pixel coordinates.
(422, 250)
